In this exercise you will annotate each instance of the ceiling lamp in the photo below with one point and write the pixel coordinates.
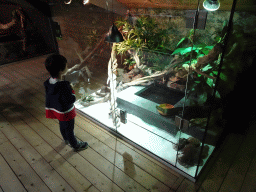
(67, 2)
(84, 2)
(114, 36)
(211, 5)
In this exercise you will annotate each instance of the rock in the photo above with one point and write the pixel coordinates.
(126, 78)
(205, 151)
(175, 85)
(104, 90)
(120, 72)
(137, 77)
(135, 72)
(173, 78)
(189, 156)
(182, 143)
(194, 141)
(132, 75)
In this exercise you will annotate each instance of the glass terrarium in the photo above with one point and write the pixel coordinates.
(163, 87)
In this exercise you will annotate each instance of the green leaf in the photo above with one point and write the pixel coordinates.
(202, 98)
(217, 95)
(223, 77)
(181, 41)
(206, 68)
(215, 72)
(199, 46)
(218, 39)
(209, 82)
(185, 66)
(205, 51)
(183, 51)
(208, 47)
(197, 82)
(179, 50)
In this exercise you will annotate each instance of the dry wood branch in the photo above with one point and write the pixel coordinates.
(82, 61)
(212, 56)
(157, 75)
(102, 100)
(8, 25)
(89, 73)
(184, 71)
(13, 21)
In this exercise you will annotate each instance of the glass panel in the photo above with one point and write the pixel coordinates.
(97, 92)
(162, 87)
(83, 44)
(234, 63)
(150, 93)
(140, 99)
(203, 105)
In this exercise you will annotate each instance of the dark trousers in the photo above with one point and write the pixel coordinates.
(67, 132)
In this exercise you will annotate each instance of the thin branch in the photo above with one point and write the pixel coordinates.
(82, 61)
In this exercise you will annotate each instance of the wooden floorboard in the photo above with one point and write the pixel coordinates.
(110, 141)
(8, 179)
(238, 169)
(107, 154)
(50, 138)
(17, 92)
(30, 144)
(23, 171)
(249, 184)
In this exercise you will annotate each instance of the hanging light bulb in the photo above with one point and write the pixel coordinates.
(114, 36)
(86, 1)
(68, 2)
(211, 5)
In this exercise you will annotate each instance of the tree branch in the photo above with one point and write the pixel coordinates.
(82, 61)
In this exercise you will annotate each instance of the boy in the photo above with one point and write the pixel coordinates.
(60, 98)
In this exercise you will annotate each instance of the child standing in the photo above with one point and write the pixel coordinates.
(60, 98)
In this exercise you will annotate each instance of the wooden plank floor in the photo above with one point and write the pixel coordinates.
(33, 156)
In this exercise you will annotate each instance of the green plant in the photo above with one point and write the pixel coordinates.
(93, 37)
(144, 37)
(145, 34)
(158, 62)
(199, 85)
(129, 62)
(87, 98)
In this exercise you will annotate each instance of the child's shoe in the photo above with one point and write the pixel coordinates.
(81, 146)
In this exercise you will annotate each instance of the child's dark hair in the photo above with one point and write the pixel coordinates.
(55, 63)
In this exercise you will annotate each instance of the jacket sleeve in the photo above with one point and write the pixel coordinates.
(67, 94)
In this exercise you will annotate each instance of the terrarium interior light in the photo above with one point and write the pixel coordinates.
(211, 5)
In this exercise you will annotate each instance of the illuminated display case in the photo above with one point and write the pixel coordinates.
(162, 89)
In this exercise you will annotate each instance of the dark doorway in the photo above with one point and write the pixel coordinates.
(25, 31)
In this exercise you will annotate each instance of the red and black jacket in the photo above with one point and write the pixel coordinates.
(60, 98)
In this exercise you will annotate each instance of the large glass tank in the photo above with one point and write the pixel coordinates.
(164, 86)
